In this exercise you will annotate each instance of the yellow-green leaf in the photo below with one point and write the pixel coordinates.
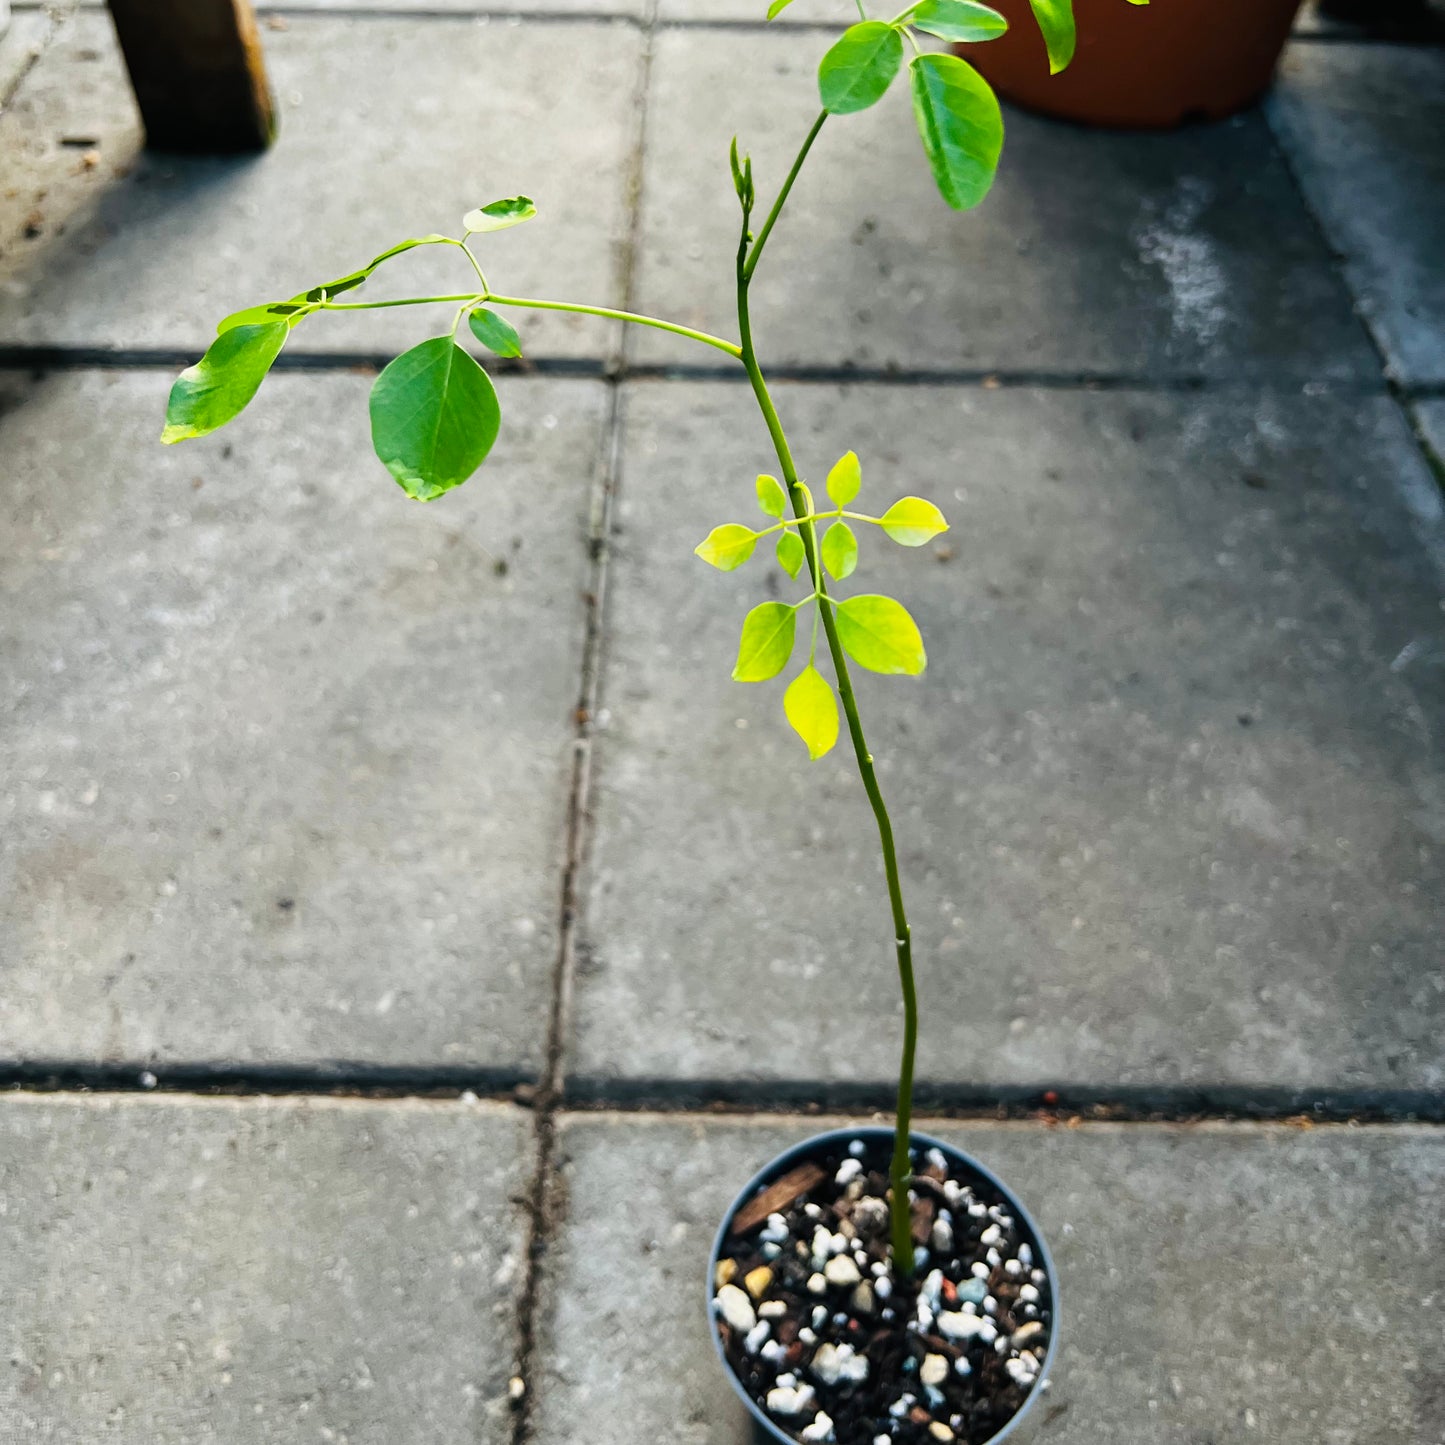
(771, 496)
(791, 553)
(912, 522)
(812, 710)
(766, 643)
(1056, 20)
(728, 547)
(845, 479)
(877, 633)
(840, 551)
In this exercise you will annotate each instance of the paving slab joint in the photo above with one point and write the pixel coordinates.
(546, 1204)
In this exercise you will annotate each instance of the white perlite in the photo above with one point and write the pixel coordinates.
(736, 1308)
(848, 1171)
(784, 1401)
(833, 1363)
(820, 1429)
(756, 1337)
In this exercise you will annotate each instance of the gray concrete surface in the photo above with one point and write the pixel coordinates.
(1216, 1284)
(1363, 125)
(276, 788)
(389, 128)
(1096, 251)
(184, 1271)
(1169, 797)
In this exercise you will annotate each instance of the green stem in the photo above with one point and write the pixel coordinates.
(750, 262)
(606, 311)
(488, 298)
(900, 1171)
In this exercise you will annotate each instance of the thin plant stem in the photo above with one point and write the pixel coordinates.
(900, 1170)
(750, 261)
(487, 298)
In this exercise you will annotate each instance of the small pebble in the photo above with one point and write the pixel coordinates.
(820, 1429)
(993, 1259)
(942, 1236)
(774, 1352)
(774, 1309)
(772, 1251)
(840, 1270)
(756, 1336)
(959, 1326)
(935, 1157)
(933, 1370)
(727, 1270)
(757, 1281)
(775, 1231)
(920, 1257)
(817, 1284)
(940, 1431)
(1025, 1333)
(848, 1171)
(990, 1305)
(980, 1270)
(516, 1387)
(862, 1301)
(961, 1366)
(807, 1336)
(736, 1308)
(1026, 1256)
(812, 1211)
(857, 1148)
(973, 1291)
(883, 1286)
(1029, 1295)
(882, 1440)
(820, 1317)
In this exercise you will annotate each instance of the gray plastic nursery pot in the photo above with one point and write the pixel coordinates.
(765, 1428)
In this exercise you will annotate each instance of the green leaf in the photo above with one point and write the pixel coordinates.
(912, 522)
(494, 333)
(1056, 20)
(288, 311)
(332, 289)
(877, 633)
(791, 553)
(767, 642)
(845, 479)
(858, 70)
(961, 126)
(771, 496)
(964, 21)
(499, 215)
(727, 547)
(778, 6)
(221, 384)
(434, 417)
(813, 711)
(840, 551)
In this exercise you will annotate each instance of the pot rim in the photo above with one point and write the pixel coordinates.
(798, 1152)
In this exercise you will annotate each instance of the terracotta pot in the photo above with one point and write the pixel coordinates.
(1144, 66)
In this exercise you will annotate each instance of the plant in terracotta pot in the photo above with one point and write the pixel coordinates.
(871, 1285)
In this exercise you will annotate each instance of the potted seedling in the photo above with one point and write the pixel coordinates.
(871, 1285)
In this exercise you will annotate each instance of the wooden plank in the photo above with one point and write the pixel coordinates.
(198, 73)
(777, 1196)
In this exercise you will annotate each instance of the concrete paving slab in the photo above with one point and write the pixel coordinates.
(1362, 125)
(21, 41)
(1096, 252)
(180, 1271)
(1217, 1283)
(1170, 797)
(287, 758)
(833, 13)
(389, 128)
(1431, 418)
